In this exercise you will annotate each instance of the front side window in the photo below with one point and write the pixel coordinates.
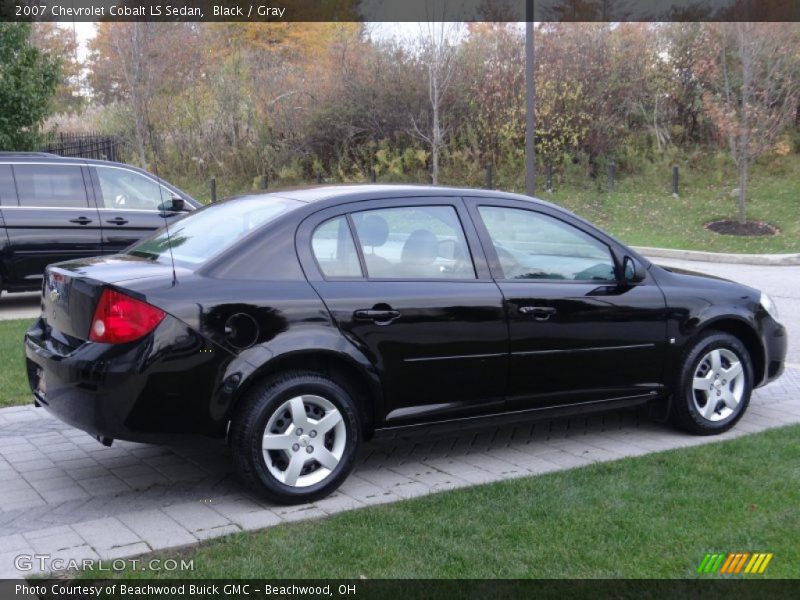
(532, 245)
(417, 242)
(123, 189)
(205, 233)
(334, 249)
(54, 186)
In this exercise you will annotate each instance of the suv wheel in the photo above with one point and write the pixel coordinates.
(295, 437)
(714, 385)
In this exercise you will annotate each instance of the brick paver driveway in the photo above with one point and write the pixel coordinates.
(62, 493)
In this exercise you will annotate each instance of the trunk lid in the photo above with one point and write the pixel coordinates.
(72, 289)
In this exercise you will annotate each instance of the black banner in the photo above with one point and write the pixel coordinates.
(399, 11)
(407, 589)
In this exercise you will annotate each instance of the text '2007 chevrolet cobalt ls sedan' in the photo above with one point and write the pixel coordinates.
(299, 323)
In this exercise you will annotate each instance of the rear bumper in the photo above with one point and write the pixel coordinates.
(137, 392)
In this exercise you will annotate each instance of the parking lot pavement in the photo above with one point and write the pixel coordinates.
(19, 306)
(64, 494)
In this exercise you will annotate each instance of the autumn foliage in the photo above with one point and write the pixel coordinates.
(289, 100)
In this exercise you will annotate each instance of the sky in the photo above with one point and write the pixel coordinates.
(84, 32)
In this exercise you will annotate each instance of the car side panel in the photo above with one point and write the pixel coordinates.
(257, 324)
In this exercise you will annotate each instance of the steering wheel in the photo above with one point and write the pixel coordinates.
(121, 201)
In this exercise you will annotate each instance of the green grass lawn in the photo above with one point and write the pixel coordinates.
(654, 516)
(13, 381)
(642, 212)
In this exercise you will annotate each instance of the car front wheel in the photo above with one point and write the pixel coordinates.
(295, 437)
(714, 385)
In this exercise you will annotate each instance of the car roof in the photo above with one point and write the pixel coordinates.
(332, 195)
(47, 157)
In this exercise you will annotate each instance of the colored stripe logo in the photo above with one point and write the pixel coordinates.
(735, 563)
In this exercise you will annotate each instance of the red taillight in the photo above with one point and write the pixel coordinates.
(119, 318)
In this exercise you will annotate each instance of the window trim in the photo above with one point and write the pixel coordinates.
(494, 260)
(359, 247)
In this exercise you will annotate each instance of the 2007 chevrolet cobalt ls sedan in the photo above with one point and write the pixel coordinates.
(298, 323)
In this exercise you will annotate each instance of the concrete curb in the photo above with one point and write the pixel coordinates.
(719, 257)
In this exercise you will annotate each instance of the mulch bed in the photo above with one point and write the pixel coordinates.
(750, 228)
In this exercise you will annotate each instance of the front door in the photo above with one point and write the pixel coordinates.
(405, 284)
(131, 206)
(51, 220)
(576, 334)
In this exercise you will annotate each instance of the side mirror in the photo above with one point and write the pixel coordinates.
(177, 204)
(632, 271)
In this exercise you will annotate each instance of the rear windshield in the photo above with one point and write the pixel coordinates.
(205, 233)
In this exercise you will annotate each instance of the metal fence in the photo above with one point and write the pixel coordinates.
(84, 145)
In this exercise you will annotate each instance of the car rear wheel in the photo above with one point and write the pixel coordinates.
(295, 437)
(714, 385)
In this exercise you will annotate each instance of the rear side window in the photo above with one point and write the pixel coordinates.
(335, 250)
(55, 186)
(415, 242)
(8, 194)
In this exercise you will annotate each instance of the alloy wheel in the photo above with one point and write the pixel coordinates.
(718, 385)
(304, 440)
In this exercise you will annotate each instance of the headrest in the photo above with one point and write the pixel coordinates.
(421, 248)
(374, 231)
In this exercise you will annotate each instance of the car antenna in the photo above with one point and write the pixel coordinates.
(163, 207)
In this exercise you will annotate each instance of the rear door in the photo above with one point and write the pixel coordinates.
(130, 205)
(576, 334)
(51, 220)
(407, 283)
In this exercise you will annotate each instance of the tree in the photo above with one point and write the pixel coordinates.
(124, 57)
(61, 42)
(28, 80)
(438, 53)
(751, 90)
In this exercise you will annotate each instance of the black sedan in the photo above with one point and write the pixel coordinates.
(298, 323)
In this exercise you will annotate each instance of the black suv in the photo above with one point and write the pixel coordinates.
(54, 209)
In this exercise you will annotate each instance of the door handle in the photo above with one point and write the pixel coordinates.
(81, 221)
(117, 221)
(540, 313)
(379, 316)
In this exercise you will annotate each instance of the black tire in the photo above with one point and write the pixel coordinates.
(252, 417)
(685, 411)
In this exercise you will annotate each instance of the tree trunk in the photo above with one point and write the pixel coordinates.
(742, 191)
(140, 138)
(436, 133)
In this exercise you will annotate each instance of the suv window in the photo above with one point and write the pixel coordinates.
(124, 189)
(8, 195)
(532, 245)
(55, 186)
(417, 242)
(335, 250)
